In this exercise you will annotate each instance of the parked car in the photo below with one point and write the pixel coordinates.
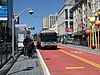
(64, 39)
(70, 41)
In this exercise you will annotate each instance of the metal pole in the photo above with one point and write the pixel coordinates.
(13, 38)
(13, 28)
(21, 13)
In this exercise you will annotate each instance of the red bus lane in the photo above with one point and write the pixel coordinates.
(69, 61)
(86, 55)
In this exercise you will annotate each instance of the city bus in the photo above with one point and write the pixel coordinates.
(47, 39)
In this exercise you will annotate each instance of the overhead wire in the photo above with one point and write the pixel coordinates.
(42, 17)
(50, 5)
(44, 6)
(42, 3)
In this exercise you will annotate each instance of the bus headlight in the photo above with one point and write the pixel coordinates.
(42, 44)
(54, 43)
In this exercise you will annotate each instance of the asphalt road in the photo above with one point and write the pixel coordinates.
(68, 60)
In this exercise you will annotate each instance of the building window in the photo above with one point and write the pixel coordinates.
(71, 14)
(3, 2)
(3, 23)
(66, 24)
(66, 13)
(71, 24)
(76, 1)
(89, 6)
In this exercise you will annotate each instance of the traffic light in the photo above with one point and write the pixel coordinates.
(31, 28)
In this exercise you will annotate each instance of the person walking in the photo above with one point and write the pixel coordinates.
(30, 48)
(25, 43)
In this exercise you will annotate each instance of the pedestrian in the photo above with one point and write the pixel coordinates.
(25, 43)
(30, 48)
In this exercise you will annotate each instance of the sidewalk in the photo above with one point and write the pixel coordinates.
(94, 51)
(8, 65)
(26, 66)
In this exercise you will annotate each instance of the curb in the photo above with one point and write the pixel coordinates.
(43, 65)
(93, 51)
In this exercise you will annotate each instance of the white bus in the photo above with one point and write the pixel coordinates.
(47, 39)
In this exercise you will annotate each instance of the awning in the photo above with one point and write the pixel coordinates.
(79, 33)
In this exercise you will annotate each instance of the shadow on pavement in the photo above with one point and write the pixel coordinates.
(27, 69)
(50, 49)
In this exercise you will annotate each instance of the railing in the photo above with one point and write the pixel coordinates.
(5, 53)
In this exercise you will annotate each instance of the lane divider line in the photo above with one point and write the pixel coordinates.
(82, 59)
(42, 63)
(74, 67)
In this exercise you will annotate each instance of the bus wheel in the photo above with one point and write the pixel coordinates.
(55, 47)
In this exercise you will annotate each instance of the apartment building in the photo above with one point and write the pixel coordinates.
(55, 27)
(70, 2)
(65, 21)
(52, 19)
(81, 11)
(45, 23)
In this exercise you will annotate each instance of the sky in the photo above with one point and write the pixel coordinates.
(41, 8)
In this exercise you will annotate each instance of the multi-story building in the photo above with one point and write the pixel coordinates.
(70, 2)
(6, 6)
(76, 1)
(55, 27)
(52, 19)
(65, 20)
(6, 15)
(81, 11)
(45, 23)
(50, 23)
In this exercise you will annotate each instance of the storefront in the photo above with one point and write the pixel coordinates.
(80, 38)
(5, 31)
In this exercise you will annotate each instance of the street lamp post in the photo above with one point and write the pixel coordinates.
(13, 26)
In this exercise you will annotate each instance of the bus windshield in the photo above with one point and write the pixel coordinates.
(49, 37)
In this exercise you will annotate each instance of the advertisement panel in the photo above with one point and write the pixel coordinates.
(3, 12)
(21, 33)
(21, 26)
(20, 37)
